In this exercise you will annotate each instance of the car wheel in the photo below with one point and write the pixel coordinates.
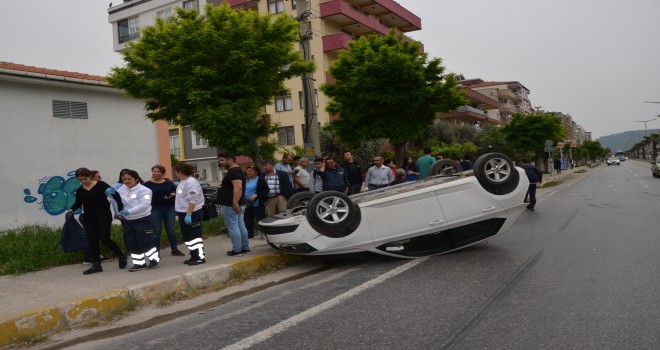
(445, 167)
(333, 214)
(496, 173)
(300, 199)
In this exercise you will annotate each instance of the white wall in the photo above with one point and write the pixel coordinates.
(39, 151)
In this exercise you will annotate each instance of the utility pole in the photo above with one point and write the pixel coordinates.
(311, 138)
(646, 132)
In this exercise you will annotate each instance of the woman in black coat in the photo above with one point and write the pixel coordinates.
(256, 194)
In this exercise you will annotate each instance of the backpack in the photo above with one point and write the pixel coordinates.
(74, 237)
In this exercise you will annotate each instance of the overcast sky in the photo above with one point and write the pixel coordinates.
(597, 60)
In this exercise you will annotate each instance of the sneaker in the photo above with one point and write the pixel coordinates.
(152, 265)
(104, 258)
(233, 253)
(177, 253)
(196, 262)
(187, 261)
(96, 267)
(86, 263)
(138, 268)
(246, 251)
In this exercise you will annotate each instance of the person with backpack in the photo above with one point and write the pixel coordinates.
(97, 220)
(138, 224)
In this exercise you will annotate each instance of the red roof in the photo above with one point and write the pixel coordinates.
(62, 73)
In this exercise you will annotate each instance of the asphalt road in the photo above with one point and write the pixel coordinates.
(582, 272)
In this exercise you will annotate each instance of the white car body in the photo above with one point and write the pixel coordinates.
(613, 161)
(433, 216)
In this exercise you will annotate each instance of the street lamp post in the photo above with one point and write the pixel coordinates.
(646, 133)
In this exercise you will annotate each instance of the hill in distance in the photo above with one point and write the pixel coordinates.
(624, 140)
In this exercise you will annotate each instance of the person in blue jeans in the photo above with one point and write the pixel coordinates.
(231, 197)
(162, 207)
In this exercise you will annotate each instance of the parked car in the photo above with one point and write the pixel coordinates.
(613, 161)
(655, 167)
(449, 210)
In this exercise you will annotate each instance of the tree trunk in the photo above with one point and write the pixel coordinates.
(258, 160)
(399, 153)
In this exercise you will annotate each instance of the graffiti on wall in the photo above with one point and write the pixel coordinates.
(57, 193)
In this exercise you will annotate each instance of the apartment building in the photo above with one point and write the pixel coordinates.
(334, 24)
(512, 97)
(481, 110)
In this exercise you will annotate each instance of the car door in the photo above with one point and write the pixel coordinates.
(466, 203)
(405, 215)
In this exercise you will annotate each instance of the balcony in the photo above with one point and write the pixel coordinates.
(467, 114)
(335, 42)
(350, 19)
(507, 95)
(391, 13)
(244, 4)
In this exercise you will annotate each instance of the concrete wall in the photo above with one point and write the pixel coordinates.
(40, 152)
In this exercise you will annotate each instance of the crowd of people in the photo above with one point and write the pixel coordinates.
(245, 197)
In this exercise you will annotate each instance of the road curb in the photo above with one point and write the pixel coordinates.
(39, 322)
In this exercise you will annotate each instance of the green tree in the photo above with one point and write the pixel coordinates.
(526, 133)
(385, 87)
(214, 72)
(491, 139)
(654, 139)
(593, 150)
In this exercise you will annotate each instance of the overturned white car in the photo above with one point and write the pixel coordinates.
(449, 210)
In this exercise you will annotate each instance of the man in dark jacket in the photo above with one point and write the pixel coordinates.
(281, 188)
(334, 177)
(353, 172)
(535, 177)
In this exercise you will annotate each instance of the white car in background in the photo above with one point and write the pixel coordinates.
(449, 210)
(613, 161)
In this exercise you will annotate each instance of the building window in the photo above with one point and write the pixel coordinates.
(175, 146)
(286, 136)
(275, 6)
(283, 103)
(70, 109)
(165, 13)
(129, 29)
(302, 99)
(198, 141)
(191, 4)
(294, 4)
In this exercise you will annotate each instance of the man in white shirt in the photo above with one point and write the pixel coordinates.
(301, 175)
(378, 176)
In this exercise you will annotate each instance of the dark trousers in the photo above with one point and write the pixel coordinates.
(532, 196)
(139, 235)
(192, 234)
(98, 230)
(354, 188)
(253, 213)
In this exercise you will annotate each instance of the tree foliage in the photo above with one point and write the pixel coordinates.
(526, 133)
(214, 72)
(385, 87)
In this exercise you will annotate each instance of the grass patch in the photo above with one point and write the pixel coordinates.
(31, 339)
(580, 171)
(550, 183)
(30, 248)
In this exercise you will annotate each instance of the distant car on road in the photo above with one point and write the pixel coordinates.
(613, 161)
(655, 167)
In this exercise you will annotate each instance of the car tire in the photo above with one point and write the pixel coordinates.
(445, 167)
(300, 199)
(496, 173)
(333, 214)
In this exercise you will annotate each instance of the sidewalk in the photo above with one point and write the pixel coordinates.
(559, 178)
(42, 302)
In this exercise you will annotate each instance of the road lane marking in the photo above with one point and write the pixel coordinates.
(292, 321)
